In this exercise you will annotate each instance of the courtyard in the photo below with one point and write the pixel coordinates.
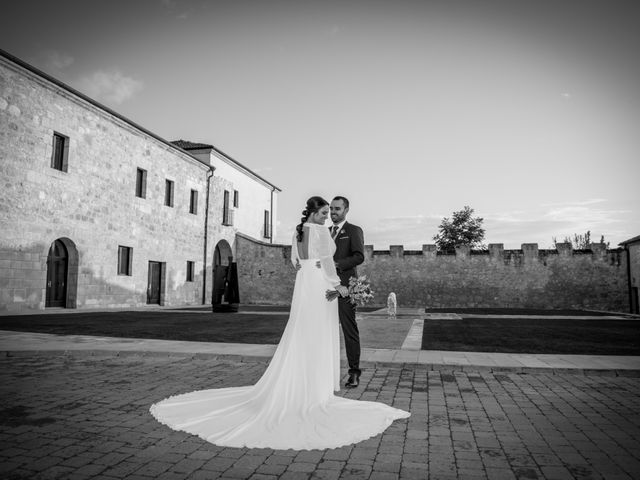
(76, 407)
(80, 416)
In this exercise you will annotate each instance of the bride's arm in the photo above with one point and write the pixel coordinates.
(325, 248)
(295, 256)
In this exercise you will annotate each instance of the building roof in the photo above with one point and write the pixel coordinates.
(188, 145)
(635, 239)
(183, 146)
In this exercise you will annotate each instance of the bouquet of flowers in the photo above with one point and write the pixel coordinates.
(359, 290)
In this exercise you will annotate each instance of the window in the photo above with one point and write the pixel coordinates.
(227, 213)
(193, 202)
(60, 153)
(190, 269)
(267, 225)
(125, 256)
(236, 199)
(168, 193)
(141, 183)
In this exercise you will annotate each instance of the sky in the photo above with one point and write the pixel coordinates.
(526, 111)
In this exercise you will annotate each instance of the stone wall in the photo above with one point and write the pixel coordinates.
(93, 204)
(633, 256)
(265, 272)
(527, 277)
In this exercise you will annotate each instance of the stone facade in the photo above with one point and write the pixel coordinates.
(92, 207)
(632, 252)
(528, 277)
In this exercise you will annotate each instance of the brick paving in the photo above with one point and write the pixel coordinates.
(81, 416)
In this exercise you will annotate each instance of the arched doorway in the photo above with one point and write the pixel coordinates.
(62, 274)
(222, 255)
(57, 268)
(225, 295)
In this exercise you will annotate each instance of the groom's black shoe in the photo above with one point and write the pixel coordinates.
(353, 381)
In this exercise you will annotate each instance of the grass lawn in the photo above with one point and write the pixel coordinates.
(260, 324)
(518, 311)
(536, 335)
(195, 326)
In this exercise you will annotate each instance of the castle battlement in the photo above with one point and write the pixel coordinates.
(527, 277)
(496, 251)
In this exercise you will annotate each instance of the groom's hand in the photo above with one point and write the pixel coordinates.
(331, 294)
(298, 266)
(342, 291)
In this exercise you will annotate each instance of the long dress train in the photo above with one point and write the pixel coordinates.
(293, 404)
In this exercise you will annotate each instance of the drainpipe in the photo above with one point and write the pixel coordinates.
(629, 287)
(206, 231)
(273, 189)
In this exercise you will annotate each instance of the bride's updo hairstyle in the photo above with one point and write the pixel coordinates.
(313, 205)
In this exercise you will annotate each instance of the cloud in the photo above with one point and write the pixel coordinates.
(173, 5)
(59, 60)
(516, 216)
(52, 61)
(511, 228)
(590, 201)
(577, 214)
(412, 231)
(541, 225)
(110, 87)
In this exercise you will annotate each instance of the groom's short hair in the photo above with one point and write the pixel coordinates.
(344, 200)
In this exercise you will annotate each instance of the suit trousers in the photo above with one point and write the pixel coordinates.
(347, 313)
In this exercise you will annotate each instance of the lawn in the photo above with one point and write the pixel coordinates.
(190, 325)
(261, 324)
(536, 335)
(518, 311)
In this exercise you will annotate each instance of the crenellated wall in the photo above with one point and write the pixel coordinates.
(528, 277)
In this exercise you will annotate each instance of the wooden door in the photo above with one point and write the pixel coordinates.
(57, 267)
(153, 289)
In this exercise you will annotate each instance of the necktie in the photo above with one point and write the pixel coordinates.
(334, 230)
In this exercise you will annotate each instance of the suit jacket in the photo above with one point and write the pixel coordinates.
(349, 251)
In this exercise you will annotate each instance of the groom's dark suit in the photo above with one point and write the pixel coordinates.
(349, 253)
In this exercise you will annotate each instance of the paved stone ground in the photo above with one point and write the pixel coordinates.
(85, 416)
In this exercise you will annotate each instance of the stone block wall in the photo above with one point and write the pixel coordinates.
(633, 257)
(265, 272)
(527, 277)
(93, 204)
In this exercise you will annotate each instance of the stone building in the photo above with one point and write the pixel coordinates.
(97, 211)
(632, 250)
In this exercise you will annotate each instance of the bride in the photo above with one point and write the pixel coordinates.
(293, 405)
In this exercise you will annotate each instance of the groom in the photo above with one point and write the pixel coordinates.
(349, 253)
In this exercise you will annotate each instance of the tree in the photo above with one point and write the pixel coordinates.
(580, 242)
(462, 229)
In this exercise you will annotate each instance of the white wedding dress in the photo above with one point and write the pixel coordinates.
(293, 404)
